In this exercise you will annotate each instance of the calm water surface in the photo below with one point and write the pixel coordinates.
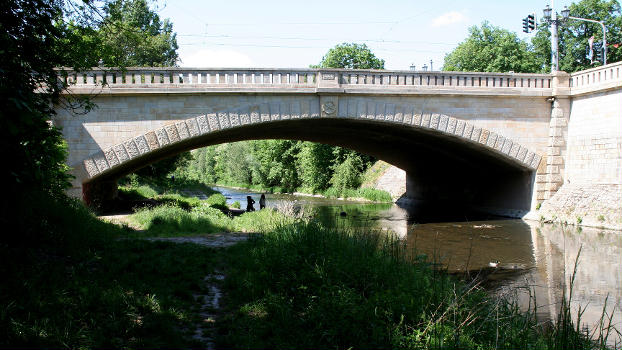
(539, 257)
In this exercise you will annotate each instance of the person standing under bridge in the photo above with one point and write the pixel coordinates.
(249, 204)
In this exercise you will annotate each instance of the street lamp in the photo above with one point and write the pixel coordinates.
(551, 18)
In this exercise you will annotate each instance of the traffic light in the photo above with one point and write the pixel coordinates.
(526, 24)
(598, 51)
(531, 22)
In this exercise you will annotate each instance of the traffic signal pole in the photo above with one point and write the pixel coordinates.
(604, 35)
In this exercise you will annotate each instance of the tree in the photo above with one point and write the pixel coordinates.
(353, 56)
(492, 49)
(133, 35)
(314, 164)
(574, 36)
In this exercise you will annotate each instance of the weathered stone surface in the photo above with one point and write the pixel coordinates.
(193, 127)
(111, 157)
(182, 130)
(132, 150)
(141, 144)
(442, 124)
(171, 132)
(91, 167)
(203, 124)
(121, 153)
(223, 120)
(162, 137)
(212, 120)
(152, 140)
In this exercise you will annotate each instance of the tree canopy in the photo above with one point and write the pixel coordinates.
(492, 49)
(574, 36)
(350, 55)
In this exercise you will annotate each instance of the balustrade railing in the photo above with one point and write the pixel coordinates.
(446, 79)
(159, 77)
(257, 78)
(594, 77)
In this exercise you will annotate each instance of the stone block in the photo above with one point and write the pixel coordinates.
(459, 127)
(141, 143)
(152, 140)
(121, 153)
(111, 157)
(425, 120)
(90, 167)
(162, 137)
(171, 132)
(131, 149)
(434, 120)
(193, 127)
(203, 124)
(182, 130)
(475, 135)
(212, 120)
(451, 125)
(223, 120)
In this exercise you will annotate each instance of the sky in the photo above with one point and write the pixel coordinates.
(295, 34)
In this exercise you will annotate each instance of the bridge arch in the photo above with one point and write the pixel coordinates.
(446, 158)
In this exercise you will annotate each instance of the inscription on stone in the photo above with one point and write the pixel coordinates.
(328, 76)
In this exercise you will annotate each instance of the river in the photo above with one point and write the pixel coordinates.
(529, 254)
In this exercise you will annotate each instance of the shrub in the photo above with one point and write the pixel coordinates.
(236, 205)
(217, 199)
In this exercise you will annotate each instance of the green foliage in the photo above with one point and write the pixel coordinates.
(236, 205)
(574, 35)
(163, 169)
(347, 173)
(492, 49)
(314, 160)
(172, 220)
(216, 199)
(32, 149)
(68, 282)
(304, 286)
(132, 35)
(350, 55)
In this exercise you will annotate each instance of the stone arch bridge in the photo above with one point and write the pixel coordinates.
(495, 141)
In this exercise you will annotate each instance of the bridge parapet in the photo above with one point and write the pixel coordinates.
(596, 79)
(182, 80)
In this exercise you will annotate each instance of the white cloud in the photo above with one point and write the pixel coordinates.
(207, 58)
(448, 18)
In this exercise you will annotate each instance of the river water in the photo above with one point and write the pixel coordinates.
(530, 255)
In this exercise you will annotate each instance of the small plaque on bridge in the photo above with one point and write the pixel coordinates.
(328, 76)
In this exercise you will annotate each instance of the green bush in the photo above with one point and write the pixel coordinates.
(171, 220)
(305, 286)
(217, 199)
(236, 205)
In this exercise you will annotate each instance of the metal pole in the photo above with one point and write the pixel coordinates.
(554, 42)
(602, 24)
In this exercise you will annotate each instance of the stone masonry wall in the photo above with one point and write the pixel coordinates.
(594, 153)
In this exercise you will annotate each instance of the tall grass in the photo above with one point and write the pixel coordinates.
(67, 282)
(304, 286)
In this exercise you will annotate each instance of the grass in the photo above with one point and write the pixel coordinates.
(68, 282)
(371, 194)
(304, 286)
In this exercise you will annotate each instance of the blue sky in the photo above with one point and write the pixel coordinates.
(295, 34)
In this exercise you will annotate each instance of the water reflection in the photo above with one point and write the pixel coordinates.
(532, 257)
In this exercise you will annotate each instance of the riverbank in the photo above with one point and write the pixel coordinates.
(365, 195)
(72, 282)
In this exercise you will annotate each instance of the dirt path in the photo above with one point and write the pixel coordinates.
(209, 308)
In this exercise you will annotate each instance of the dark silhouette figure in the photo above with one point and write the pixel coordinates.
(262, 201)
(249, 203)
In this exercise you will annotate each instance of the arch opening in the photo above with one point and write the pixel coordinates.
(443, 170)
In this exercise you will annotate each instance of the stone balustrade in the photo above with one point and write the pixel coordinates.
(245, 80)
(596, 79)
